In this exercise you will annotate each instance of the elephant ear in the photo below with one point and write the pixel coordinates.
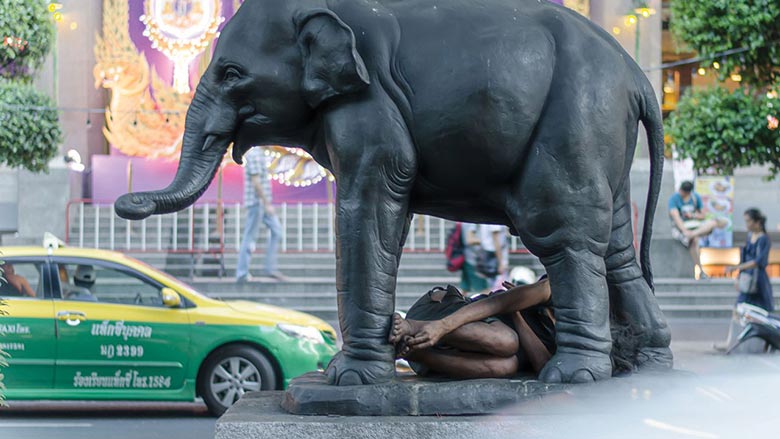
(331, 64)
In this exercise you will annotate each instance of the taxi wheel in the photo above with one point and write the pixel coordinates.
(232, 371)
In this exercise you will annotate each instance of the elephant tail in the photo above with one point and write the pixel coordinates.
(651, 119)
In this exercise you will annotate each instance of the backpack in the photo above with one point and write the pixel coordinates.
(454, 250)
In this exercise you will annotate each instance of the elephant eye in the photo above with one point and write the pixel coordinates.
(231, 74)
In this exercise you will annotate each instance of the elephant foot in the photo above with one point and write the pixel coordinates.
(570, 367)
(654, 359)
(344, 370)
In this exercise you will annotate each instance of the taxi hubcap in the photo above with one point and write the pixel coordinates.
(232, 378)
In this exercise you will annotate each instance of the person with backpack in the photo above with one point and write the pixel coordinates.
(463, 246)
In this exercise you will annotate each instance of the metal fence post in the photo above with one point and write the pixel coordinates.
(97, 225)
(206, 226)
(238, 226)
(331, 218)
(175, 232)
(284, 227)
(143, 234)
(316, 227)
(111, 229)
(300, 226)
(159, 232)
(81, 224)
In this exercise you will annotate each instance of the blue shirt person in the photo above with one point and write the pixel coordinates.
(689, 223)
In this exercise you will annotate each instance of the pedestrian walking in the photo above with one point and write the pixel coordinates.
(257, 201)
(470, 280)
(753, 281)
(493, 259)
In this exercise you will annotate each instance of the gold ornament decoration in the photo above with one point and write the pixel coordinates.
(294, 167)
(181, 29)
(581, 6)
(145, 116)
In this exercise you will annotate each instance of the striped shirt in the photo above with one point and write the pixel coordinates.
(256, 163)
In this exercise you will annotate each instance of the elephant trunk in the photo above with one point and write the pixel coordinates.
(201, 154)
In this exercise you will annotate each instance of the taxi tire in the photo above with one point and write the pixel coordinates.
(250, 354)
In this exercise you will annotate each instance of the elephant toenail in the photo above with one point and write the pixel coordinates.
(350, 378)
(552, 376)
(582, 376)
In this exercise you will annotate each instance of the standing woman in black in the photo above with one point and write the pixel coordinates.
(754, 259)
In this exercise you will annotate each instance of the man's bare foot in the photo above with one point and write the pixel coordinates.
(402, 328)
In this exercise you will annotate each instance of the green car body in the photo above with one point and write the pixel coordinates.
(145, 336)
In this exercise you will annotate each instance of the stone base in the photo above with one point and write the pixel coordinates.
(260, 416)
(410, 396)
(612, 409)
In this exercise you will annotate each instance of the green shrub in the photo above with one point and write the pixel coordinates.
(26, 36)
(29, 127)
(714, 26)
(722, 130)
(3, 355)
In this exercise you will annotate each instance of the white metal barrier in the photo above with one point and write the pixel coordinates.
(215, 228)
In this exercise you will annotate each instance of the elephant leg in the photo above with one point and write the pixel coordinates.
(642, 336)
(568, 227)
(375, 170)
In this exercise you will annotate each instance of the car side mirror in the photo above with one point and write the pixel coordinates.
(171, 298)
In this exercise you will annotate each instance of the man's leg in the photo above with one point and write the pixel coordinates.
(250, 235)
(493, 338)
(693, 248)
(466, 365)
(708, 226)
(272, 222)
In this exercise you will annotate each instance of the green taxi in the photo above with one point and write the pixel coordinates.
(93, 324)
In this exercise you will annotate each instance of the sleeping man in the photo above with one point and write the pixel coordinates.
(502, 334)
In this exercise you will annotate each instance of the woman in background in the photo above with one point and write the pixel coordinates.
(753, 260)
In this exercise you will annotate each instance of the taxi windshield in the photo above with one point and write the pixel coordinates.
(179, 284)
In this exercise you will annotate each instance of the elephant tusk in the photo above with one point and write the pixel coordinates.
(238, 154)
(210, 140)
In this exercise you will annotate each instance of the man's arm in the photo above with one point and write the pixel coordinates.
(537, 352)
(516, 299)
(497, 244)
(21, 285)
(678, 222)
(258, 185)
(698, 206)
(471, 237)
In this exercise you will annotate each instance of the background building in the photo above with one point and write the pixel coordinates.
(122, 100)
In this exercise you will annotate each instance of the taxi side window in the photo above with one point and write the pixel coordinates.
(96, 283)
(21, 279)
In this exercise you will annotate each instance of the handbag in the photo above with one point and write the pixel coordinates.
(746, 282)
(487, 263)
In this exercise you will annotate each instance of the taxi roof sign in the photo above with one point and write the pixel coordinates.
(51, 242)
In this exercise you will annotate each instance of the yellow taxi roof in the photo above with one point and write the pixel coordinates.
(63, 251)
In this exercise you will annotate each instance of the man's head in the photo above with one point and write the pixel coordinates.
(84, 276)
(7, 269)
(686, 188)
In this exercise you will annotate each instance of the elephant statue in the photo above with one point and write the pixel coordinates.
(514, 112)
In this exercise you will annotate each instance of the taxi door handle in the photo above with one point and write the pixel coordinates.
(72, 318)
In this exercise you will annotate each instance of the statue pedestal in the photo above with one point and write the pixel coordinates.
(259, 415)
(610, 409)
(410, 396)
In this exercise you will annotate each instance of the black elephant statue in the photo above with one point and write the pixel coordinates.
(514, 112)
